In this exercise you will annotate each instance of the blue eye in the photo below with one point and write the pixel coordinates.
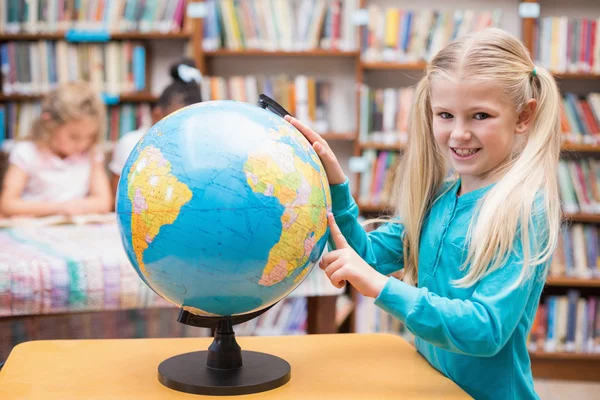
(481, 116)
(445, 115)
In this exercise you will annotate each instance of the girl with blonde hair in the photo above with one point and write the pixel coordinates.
(60, 168)
(475, 248)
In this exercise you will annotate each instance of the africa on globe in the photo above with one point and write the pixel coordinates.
(222, 208)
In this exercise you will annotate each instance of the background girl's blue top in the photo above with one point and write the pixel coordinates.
(476, 336)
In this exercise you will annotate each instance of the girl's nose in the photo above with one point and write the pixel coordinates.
(460, 133)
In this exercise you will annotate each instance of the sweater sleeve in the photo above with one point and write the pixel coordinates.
(480, 325)
(381, 248)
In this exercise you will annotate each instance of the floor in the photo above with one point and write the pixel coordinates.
(568, 390)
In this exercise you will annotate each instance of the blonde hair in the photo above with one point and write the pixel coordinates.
(527, 182)
(70, 101)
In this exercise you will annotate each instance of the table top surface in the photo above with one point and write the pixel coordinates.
(341, 366)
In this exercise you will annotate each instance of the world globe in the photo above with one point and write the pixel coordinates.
(222, 208)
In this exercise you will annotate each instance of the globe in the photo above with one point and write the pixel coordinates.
(222, 208)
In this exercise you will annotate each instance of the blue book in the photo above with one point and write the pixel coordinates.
(139, 68)
(2, 126)
(573, 296)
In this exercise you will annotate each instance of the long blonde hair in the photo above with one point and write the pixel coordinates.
(70, 101)
(528, 181)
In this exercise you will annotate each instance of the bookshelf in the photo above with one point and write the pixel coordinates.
(100, 27)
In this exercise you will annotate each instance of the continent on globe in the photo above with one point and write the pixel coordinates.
(276, 170)
(156, 196)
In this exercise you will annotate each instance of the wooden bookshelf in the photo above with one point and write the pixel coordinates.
(339, 136)
(581, 217)
(141, 97)
(576, 75)
(564, 355)
(382, 146)
(113, 36)
(562, 365)
(580, 148)
(281, 53)
(418, 66)
(19, 97)
(572, 282)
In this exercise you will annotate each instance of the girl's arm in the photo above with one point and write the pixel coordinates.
(11, 203)
(100, 199)
(382, 248)
(479, 325)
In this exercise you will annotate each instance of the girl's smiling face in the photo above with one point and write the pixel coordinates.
(476, 127)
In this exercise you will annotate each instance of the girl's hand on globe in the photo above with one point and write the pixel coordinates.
(344, 264)
(335, 174)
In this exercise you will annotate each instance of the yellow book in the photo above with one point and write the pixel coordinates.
(392, 18)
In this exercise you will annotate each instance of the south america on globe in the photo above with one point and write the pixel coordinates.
(222, 208)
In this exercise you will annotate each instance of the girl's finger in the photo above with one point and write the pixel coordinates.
(333, 267)
(337, 278)
(330, 257)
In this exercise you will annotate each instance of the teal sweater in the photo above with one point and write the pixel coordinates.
(475, 336)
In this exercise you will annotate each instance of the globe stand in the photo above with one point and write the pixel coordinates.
(225, 369)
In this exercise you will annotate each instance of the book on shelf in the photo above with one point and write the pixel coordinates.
(384, 114)
(127, 117)
(377, 179)
(305, 97)
(40, 16)
(567, 45)
(577, 253)
(580, 118)
(566, 323)
(400, 35)
(299, 25)
(579, 185)
(28, 222)
(113, 68)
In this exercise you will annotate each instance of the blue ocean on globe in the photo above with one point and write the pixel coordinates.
(222, 208)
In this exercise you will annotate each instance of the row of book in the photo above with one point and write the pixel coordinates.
(298, 25)
(37, 16)
(16, 119)
(306, 97)
(579, 185)
(377, 177)
(568, 323)
(407, 36)
(577, 254)
(564, 44)
(37, 67)
(384, 114)
(580, 118)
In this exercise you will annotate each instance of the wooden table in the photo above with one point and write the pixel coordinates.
(340, 366)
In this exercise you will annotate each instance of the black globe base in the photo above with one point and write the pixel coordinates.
(225, 369)
(189, 373)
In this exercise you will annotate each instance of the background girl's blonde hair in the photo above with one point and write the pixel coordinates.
(70, 101)
(527, 182)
